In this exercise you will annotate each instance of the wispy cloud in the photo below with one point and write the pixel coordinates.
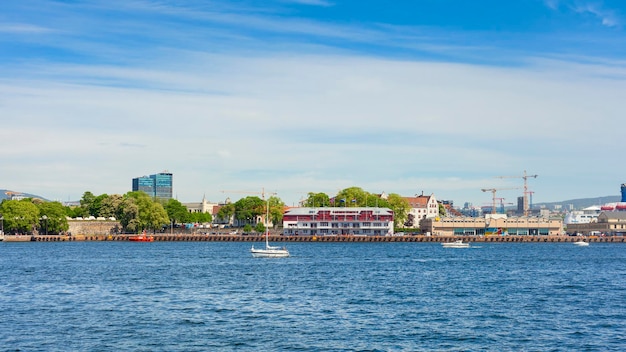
(606, 16)
(323, 3)
(23, 28)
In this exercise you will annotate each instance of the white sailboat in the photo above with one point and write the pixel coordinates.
(268, 251)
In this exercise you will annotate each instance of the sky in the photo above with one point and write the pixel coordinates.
(238, 97)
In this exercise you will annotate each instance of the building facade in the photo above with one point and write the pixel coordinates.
(357, 221)
(157, 186)
(610, 223)
(492, 225)
(421, 207)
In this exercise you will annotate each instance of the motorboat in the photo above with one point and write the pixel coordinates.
(141, 238)
(455, 244)
(581, 243)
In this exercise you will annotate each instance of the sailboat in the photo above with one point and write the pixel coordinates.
(268, 251)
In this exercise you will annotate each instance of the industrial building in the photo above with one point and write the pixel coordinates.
(492, 225)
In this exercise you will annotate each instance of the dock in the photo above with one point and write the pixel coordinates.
(348, 238)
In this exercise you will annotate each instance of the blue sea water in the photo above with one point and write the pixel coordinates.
(213, 296)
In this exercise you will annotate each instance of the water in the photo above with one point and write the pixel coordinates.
(213, 296)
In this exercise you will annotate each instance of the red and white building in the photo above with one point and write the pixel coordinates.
(326, 221)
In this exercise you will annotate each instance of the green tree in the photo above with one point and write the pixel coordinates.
(128, 215)
(86, 203)
(177, 212)
(150, 213)
(200, 218)
(317, 200)
(95, 208)
(276, 210)
(247, 209)
(111, 206)
(400, 207)
(53, 217)
(226, 212)
(20, 216)
(260, 227)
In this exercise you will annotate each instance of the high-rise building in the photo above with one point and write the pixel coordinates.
(623, 192)
(157, 185)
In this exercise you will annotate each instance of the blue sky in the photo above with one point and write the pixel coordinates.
(433, 96)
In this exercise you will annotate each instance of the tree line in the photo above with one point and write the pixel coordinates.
(137, 211)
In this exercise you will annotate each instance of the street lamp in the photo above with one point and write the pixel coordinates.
(45, 226)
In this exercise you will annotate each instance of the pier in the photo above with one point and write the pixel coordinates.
(281, 238)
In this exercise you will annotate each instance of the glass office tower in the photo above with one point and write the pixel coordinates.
(157, 185)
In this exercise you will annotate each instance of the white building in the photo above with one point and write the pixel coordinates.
(358, 221)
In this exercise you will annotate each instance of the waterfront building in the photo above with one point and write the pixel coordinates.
(492, 225)
(158, 185)
(421, 207)
(610, 223)
(584, 216)
(357, 221)
(203, 206)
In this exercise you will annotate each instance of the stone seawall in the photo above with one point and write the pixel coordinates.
(93, 227)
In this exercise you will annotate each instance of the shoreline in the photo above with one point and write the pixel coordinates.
(281, 238)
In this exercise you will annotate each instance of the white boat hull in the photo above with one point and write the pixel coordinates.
(581, 243)
(455, 244)
(269, 252)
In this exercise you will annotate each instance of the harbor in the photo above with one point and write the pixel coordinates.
(282, 238)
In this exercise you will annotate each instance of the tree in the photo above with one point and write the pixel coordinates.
(110, 206)
(86, 203)
(176, 211)
(20, 216)
(249, 208)
(150, 214)
(55, 219)
(226, 212)
(95, 208)
(260, 227)
(276, 210)
(352, 196)
(317, 200)
(400, 207)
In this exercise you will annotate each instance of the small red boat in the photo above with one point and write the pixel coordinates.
(141, 238)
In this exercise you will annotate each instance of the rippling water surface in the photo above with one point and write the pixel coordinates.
(210, 296)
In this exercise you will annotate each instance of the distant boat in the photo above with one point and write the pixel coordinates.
(581, 243)
(141, 238)
(455, 244)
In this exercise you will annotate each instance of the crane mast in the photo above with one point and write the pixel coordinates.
(525, 177)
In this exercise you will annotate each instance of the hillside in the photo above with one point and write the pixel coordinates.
(580, 203)
(6, 194)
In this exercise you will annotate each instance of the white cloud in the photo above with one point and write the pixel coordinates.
(607, 16)
(299, 123)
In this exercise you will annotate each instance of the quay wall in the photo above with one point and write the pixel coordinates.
(93, 227)
(279, 238)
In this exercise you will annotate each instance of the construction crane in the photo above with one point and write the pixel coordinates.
(525, 177)
(493, 196)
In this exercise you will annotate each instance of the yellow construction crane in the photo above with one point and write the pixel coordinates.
(525, 177)
(493, 196)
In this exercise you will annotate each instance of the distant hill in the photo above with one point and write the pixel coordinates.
(581, 203)
(7, 194)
